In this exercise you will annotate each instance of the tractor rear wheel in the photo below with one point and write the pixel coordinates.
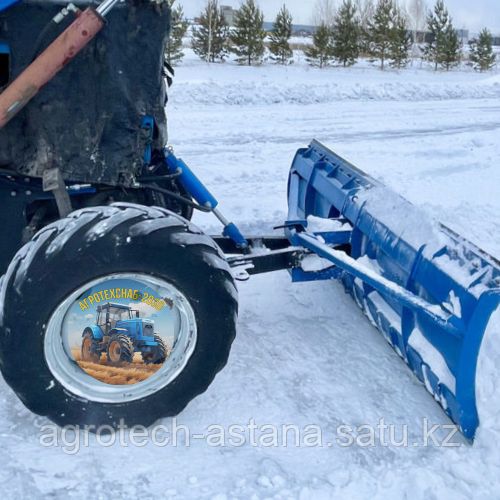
(120, 350)
(55, 272)
(89, 352)
(158, 355)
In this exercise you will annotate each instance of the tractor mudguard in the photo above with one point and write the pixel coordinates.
(96, 332)
(430, 292)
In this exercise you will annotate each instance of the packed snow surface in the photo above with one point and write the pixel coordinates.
(305, 354)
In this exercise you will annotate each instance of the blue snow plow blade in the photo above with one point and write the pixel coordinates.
(430, 292)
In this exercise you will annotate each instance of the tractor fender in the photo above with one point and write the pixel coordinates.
(95, 330)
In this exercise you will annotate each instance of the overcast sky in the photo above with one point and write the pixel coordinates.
(471, 14)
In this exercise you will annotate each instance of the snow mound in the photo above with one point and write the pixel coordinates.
(494, 80)
(244, 93)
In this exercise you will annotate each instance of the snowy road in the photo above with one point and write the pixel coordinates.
(304, 354)
(440, 155)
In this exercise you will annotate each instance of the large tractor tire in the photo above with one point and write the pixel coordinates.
(158, 356)
(89, 348)
(120, 350)
(93, 245)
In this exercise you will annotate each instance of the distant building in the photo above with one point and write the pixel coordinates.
(228, 13)
(302, 33)
(426, 37)
(299, 30)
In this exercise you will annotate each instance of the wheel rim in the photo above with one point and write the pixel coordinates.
(115, 352)
(68, 373)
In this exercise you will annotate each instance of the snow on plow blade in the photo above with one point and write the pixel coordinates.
(430, 292)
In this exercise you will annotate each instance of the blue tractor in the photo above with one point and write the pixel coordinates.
(120, 333)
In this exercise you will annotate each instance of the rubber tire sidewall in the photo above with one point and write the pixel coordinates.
(37, 282)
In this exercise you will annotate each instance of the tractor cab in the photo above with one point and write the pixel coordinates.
(110, 314)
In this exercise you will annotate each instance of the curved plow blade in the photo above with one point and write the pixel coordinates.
(430, 292)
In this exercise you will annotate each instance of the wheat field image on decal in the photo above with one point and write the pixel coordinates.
(113, 374)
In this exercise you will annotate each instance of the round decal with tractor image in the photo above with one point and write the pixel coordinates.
(121, 332)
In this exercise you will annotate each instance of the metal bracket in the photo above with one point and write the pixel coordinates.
(53, 181)
(265, 254)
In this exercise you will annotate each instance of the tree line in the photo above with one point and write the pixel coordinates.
(384, 31)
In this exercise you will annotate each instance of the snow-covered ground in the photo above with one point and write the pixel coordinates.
(305, 354)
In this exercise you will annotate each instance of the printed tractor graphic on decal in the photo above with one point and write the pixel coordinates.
(120, 333)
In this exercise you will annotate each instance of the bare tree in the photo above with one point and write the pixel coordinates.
(324, 13)
(365, 11)
(418, 10)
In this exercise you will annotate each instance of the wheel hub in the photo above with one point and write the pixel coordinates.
(115, 352)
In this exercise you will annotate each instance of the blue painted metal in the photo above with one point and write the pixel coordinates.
(190, 182)
(5, 4)
(203, 196)
(148, 127)
(301, 276)
(96, 331)
(430, 292)
(232, 231)
(4, 48)
(75, 191)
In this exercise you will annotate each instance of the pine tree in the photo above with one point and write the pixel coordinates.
(179, 26)
(282, 31)
(452, 48)
(248, 34)
(209, 40)
(481, 54)
(346, 30)
(380, 30)
(436, 23)
(321, 52)
(443, 47)
(401, 42)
